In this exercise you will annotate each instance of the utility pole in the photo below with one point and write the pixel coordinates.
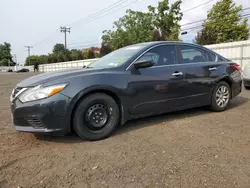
(29, 51)
(15, 58)
(65, 30)
(14, 55)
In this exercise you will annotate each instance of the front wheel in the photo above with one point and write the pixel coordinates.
(96, 117)
(221, 97)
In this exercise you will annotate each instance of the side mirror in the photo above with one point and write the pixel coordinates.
(143, 64)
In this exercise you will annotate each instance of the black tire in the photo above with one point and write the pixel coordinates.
(83, 123)
(247, 87)
(214, 105)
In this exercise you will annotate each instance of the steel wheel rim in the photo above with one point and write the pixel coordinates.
(96, 117)
(222, 96)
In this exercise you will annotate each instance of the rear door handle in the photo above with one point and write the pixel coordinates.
(177, 74)
(212, 69)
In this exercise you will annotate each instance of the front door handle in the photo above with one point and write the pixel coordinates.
(212, 69)
(177, 74)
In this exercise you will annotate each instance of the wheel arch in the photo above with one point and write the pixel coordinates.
(83, 94)
(228, 80)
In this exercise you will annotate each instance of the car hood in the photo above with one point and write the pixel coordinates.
(54, 76)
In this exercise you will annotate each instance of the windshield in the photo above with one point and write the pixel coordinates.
(116, 58)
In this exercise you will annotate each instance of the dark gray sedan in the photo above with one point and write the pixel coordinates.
(132, 82)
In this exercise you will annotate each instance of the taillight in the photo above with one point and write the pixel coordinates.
(236, 67)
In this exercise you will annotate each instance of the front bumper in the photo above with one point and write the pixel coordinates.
(44, 116)
(35, 130)
(236, 88)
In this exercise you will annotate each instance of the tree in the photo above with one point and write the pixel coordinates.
(223, 24)
(132, 28)
(37, 59)
(76, 54)
(67, 56)
(32, 60)
(85, 53)
(80, 55)
(166, 19)
(43, 59)
(4, 62)
(60, 57)
(97, 54)
(5, 54)
(52, 58)
(157, 35)
(91, 54)
(205, 36)
(105, 49)
(136, 26)
(58, 48)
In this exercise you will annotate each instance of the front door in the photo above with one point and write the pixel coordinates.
(157, 88)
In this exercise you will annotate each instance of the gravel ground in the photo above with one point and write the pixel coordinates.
(192, 148)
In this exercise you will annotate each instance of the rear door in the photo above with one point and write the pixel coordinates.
(197, 68)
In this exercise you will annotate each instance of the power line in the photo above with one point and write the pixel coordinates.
(190, 23)
(94, 16)
(197, 6)
(100, 16)
(108, 10)
(114, 5)
(47, 38)
(193, 28)
(199, 26)
(245, 8)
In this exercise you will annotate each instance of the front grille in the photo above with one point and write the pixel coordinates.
(35, 123)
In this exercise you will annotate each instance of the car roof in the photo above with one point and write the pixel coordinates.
(153, 43)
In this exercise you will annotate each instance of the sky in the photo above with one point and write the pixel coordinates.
(37, 23)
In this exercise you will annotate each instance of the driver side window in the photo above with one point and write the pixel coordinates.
(161, 55)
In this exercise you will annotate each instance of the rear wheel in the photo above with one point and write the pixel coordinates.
(221, 97)
(96, 117)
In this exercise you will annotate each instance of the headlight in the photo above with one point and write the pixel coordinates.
(40, 92)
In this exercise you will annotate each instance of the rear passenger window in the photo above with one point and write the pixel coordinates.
(192, 54)
(211, 56)
(221, 59)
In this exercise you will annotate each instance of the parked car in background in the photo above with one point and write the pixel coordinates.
(10, 70)
(132, 82)
(23, 70)
(246, 77)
